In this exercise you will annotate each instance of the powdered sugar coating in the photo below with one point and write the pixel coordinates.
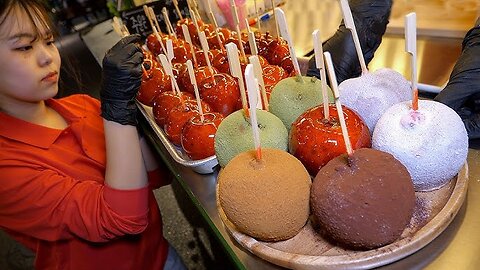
(431, 142)
(371, 94)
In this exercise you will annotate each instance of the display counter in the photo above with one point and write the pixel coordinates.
(455, 248)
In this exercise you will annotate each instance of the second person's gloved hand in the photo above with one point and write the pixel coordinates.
(371, 19)
(121, 79)
(462, 92)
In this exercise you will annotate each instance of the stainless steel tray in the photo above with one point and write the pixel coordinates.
(202, 166)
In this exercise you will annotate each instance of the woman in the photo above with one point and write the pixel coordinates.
(74, 183)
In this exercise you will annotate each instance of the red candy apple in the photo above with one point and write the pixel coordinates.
(154, 81)
(164, 103)
(198, 137)
(222, 95)
(201, 73)
(315, 141)
(179, 116)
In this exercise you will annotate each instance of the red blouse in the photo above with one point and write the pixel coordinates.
(53, 198)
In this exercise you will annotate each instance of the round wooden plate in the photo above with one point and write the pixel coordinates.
(433, 212)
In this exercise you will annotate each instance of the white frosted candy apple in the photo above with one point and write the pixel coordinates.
(371, 94)
(431, 142)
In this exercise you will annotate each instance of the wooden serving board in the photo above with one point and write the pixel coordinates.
(433, 212)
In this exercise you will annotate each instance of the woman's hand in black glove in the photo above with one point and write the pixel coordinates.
(371, 19)
(121, 79)
(462, 92)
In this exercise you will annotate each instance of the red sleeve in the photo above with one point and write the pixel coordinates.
(159, 177)
(45, 205)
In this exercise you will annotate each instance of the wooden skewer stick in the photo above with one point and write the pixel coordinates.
(282, 24)
(168, 68)
(237, 27)
(191, 73)
(252, 86)
(157, 35)
(251, 40)
(257, 68)
(275, 18)
(258, 16)
(154, 18)
(349, 24)
(195, 9)
(148, 13)
(236, 70)
(206, 51)
(149, 17)
(175, 3)
(186, 35)
(411, 48)
(214, 21)
(195, 22)
(341, 118)
(117, 27)
(170, 29)
(317, 45)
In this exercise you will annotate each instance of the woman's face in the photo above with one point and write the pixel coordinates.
(30, 63)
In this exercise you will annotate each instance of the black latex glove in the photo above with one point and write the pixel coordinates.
(462, 92)
(121, 79)
(371, 19)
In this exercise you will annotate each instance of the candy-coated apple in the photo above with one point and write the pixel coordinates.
(220, 62)
(315, 141)
(273, 74)
(223, 33)
(179, 116)
(154, 81)
(198, 137)
(287, 64)
(182, 52)
(164, 103)
(153, 44)
(222, 95)
(201, 73)
(278, 54)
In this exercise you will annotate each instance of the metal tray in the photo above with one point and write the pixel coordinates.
(202, 166)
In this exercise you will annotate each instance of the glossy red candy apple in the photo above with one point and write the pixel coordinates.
(220, 62)
(287, 64)
(153, 44)
(200, 56)
(273, 74)
(278, 54)
(154, 82)
(182, 51)
(223, 33)
(198, 137)
(201, 73)
(315, 141)
(164, 103)
(222, 95)
(179, 116)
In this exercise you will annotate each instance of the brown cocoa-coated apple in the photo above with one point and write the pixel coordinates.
(179, 116)
(315, 141)
(164, 103)
(222, 95)
(198, 137)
